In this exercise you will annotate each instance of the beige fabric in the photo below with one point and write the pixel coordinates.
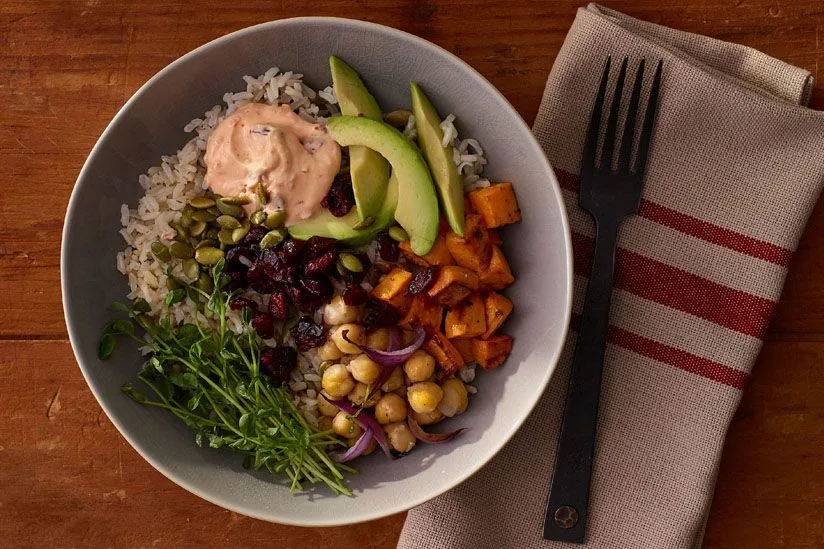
(736, 166)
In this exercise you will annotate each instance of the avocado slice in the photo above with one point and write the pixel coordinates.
(343, 228)
(417, 210)
(368, 169)
(447, 179)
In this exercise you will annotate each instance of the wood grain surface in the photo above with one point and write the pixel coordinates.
(68, 479)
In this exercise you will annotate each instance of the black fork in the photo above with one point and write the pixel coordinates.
(610, 193)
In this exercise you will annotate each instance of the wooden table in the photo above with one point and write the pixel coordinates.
(68, 479)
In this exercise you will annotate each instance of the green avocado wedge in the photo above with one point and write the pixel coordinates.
(417, 210)
(444, 171)
(343, 228)
(368, 169)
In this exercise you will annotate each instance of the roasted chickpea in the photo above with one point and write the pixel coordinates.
(338, 312)
(358, 395)
(345, 426)
(428, 419)
(401, 391)
(391, 408)
(420, 366)
(329, 351)
(400, 437)
(364, 369)
(394, 382)
(327, 408)
(355, 334)
(336, 381)
(424, 397)
(324, 423)
(379, 339)
(455, 397)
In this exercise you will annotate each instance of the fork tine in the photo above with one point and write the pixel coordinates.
(591, 144)
(612, 122)
(649, 120)
(627, 139)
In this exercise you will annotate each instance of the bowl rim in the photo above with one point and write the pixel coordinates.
(425, 495)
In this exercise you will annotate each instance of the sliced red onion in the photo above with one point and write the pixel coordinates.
(394, 339)
(366, 421)
(357, 449)
(430, 438)
(395, 357)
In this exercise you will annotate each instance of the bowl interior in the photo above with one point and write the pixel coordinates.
(150, 125)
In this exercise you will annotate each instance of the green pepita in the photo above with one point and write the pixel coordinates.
(272, 238)
(211, 233)
(239, 233)
(204, 283)
(364, 224)
(214, 211)
(351, 262)
(201, 202)
(181, 250)
(186, 216)
(262, 194)
(229, 209)
(398, 234)
(225, 236)
(228, 222)
(208, 255)
(197, 228)
(398, 118)
(207, 242)
(203, 215)
(275, 219)
(160, 251)
(191, 269)
(171, 284)
(258, 218)
(340, 268)
(235, 200)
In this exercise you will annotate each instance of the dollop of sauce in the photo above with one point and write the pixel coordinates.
(294, 160)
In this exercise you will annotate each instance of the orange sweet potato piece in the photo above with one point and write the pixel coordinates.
(464, 347)
(424, 312)
(438, 255)
(495, 238)
(492, 352)
(393, 288)
(497, 308)
(445, 354)
(453, 284)
(497, 275)
(496, 204)
(467, 319)
(473, 250)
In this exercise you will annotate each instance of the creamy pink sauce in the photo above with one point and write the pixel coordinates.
(293, 159)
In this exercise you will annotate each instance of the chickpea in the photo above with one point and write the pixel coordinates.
(345, 426)
(394, 382)
(428, 419)
(369, 448)
(338, 312)
(424, 397)
(401, 391)
(455, 397)
(400, 437)
(364, 369)
(355, 334)
(336, 381)
(420, 366)
(358, 395)
(391, 408)
(324, 423)
(326, 408)
(379, 339)
(329, 351)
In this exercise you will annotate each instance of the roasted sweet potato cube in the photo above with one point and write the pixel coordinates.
(438, 255)
(424, 312)
(453, 284)
(445, 354)
(467, 319)
(393, 288)
(497, 275)
(496, 204)
(495, 238)
(473, 250)
(492, 352)
(464, 347)
(497, 308)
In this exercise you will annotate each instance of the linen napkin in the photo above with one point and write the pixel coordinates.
(735, 168)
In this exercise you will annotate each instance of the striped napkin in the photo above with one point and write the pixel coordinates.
(736, 165)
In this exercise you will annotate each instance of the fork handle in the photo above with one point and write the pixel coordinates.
(567, 506)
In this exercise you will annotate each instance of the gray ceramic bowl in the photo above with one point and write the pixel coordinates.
(150, 125)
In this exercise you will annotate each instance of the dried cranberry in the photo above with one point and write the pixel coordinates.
(305, 301)
(307, 334)
(317, 285)
(258, 280)
(237, 303)
(318, 245)
(239, 258)
(237, 280)
(291, 248)
(270, 261)
(423, 280)
(341, 197)
(279, 362)
(278, 306)
(354, 295)
(255, 234)
(263, 325)
(321, 264)
(387, 247)
(379, 314)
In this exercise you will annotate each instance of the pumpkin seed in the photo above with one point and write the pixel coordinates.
(191, 269)
(214, 211)
(235, 200)
(275, 219)
(181, 250)
(262, 194)
(208, 255)
(351, 262)
(228, 222)
(258, 218)
(201, 202)
(197, 228)
(160, 251)
(207, 242)
(341, 269)
(211, 234)
(272, 238)
(239, 233)
(398, 118)
(225, 236)
(186, 216)
(204, 282)
(171, 284)
(364, 224)
(398, 234)
(203, 215)
(229, 209)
